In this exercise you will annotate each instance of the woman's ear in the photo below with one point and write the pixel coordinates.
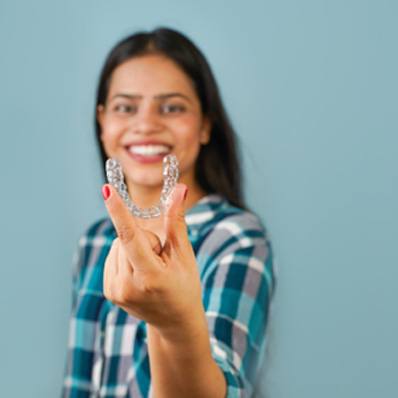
(100, 114)
(100, 117)
(205, 131)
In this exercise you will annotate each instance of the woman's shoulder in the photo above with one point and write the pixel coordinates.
(213, 210)
(99, 232)
(215, 218)
(231, 240)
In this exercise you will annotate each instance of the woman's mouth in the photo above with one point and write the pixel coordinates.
(148, 153)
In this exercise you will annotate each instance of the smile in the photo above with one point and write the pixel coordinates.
(149, 150)
(148, 153)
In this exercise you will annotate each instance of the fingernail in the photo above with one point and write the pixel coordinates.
(106, 192)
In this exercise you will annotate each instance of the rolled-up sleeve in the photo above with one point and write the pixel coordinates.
(238, 283)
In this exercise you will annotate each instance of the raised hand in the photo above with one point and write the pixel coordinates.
(158, 284)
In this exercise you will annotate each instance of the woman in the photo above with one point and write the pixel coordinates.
(175, 306)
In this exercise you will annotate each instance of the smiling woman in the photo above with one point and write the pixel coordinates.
(161, 306)
(152, 110)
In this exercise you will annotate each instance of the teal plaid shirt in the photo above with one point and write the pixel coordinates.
(107, 348)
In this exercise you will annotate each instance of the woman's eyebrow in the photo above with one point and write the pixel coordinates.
(128, 96)
(168, 95)
(158, 96)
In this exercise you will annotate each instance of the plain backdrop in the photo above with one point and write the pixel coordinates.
(311, 87)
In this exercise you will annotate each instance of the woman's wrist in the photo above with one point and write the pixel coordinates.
(189, 329)
(187, 353)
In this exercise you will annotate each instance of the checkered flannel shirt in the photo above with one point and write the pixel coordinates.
(107, 348)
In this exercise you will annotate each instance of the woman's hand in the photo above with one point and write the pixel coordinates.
(159, 285)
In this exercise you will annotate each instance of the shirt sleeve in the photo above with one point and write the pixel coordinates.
(238, 283)
(74, 378)
(92, 236)
(77, 261)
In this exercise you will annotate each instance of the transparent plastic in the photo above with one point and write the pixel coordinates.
(114, 174)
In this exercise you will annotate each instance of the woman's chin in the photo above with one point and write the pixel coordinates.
(146, 182)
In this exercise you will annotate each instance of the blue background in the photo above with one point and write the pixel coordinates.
(311, 87)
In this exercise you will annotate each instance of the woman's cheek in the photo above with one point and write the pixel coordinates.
(113, 132)
(188, 154)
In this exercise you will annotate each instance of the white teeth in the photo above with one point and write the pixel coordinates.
(149, 149)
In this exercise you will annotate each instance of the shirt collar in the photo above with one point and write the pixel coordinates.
(203, 210)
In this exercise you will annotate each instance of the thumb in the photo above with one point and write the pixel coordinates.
(175, 226)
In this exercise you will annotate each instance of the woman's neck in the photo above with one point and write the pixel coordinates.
(144, 196)
(149, 196)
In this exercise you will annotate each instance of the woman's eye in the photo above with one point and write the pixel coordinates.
(172, 108)
(121, 108)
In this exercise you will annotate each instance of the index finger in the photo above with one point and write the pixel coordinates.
(129, 233)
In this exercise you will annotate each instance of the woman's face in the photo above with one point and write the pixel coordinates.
(152, 110)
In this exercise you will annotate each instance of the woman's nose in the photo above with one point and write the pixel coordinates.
(147, 121)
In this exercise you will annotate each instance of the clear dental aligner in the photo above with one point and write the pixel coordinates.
(114, 174)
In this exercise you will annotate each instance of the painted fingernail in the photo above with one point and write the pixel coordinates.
(106, 192)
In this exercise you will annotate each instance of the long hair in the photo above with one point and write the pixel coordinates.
(217, 168)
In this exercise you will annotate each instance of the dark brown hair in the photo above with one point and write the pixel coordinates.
(217, 168)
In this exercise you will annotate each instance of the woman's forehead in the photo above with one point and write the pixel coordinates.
(152, 75)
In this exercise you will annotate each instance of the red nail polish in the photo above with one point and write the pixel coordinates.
(106, 192)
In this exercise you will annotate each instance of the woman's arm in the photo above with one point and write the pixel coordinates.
(205, 336)
(181, 362)
(222, 342)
